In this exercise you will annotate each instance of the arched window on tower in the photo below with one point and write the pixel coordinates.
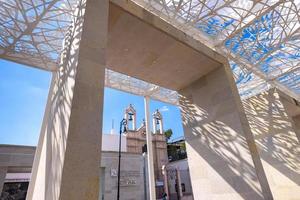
(130, 116)
(157, 122)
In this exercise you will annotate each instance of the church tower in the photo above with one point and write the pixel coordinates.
(157, 123)
(130, 116)
(136, 139)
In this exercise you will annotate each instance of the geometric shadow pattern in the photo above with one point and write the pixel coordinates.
(261, 39)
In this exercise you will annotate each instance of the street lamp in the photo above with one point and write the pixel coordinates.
(123, 125)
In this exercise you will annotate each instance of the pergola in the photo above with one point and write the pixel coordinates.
(182, 52)
(261, 39)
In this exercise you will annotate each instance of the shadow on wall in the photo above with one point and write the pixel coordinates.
(56, 130)
(222, 147)
(296, 120)
(275, 137)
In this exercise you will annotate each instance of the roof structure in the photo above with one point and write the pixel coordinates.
(261, 39)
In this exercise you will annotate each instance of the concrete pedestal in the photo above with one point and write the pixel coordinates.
(3, 172)
(277, 142)
(222, 156)
(67, 162)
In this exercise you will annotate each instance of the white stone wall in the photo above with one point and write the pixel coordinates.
(110, 142)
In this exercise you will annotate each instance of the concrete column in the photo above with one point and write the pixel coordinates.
(134, 122)
(179, 187)
(222, 156)
(166, 184)
(150, 163)
(154, 125)
(161, 128)
(277, 142)
(3, 171)
(67, 163)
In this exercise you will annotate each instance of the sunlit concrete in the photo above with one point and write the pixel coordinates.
(296, 120)
(141, 50)
(292, 108)
(151, 53)
(222, 157)
(271, 120)
(68, 157)
(66, 163)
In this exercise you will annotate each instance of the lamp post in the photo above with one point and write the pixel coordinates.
(123, 124)
(144, 151)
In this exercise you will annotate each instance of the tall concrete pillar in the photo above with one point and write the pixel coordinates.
(222, 156)
(277, 142)
(150, 167)
(67, 162)
(3, 171)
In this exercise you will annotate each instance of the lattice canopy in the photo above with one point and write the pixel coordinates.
(261, 38)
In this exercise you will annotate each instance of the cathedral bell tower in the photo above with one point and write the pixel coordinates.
(157, 122)
(130, 116)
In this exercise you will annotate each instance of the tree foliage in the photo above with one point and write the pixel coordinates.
(168, 134)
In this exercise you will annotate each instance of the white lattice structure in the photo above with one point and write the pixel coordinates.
(260, 38)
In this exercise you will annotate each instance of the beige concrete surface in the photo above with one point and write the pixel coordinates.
(70, 133)
(222, 157)
(69, 159)
(157, 19)
(277, 143)
(140, 50)
(224, 162)
(296, 120)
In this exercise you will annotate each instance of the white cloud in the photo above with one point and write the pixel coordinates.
(164, 109)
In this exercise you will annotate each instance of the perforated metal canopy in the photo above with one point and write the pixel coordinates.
(261, 39)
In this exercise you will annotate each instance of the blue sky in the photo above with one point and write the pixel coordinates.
(23, 95)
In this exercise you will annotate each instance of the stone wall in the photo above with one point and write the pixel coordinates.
(137, 139)
(132, 177)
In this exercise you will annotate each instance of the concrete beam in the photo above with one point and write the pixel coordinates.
(185, 34)
(145, 51)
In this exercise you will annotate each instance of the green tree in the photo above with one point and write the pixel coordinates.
(168, 134)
